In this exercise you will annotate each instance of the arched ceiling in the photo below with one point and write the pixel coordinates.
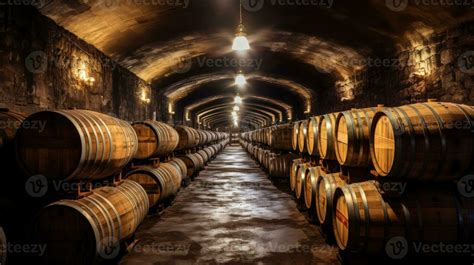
(298, 52)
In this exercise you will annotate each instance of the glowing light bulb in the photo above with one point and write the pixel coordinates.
(240, 80)
(241, 43)
(238, 100)
(236, 108)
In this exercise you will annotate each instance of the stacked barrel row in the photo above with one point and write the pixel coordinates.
(81, 146)
(415, 185)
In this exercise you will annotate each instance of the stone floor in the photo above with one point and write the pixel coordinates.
(231, 214)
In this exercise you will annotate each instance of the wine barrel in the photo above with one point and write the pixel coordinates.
(188, 137)
(310, 190)
(204, 156)
(300, 180)
(313, 135)
(210, 152)
(85, 231)
(302, 134)
(363, 221)
(426, 141)
(280, 165)
(155, 139)
(10, 121)
(326, 137)
(159, 183)
(193, 162)
(3, 247)
(294, 135)
(294, 170)
(181, 165)
(352, 132)
(326, 187)
(75, 145)
(280, 137)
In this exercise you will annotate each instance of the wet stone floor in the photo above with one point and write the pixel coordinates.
(231, 214)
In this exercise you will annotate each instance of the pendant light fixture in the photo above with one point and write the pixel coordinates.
(238, 100)
(241, 43)
(240, 79)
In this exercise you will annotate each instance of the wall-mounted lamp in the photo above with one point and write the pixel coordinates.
(83, 76)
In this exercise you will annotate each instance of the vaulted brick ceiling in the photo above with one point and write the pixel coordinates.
(302, 50)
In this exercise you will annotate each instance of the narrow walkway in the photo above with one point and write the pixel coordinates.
(231, 214)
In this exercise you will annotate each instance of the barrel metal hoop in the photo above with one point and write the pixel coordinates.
(367, 215)
(94, 201)
(442, 136)
(82, 135)
(408, 167)
(109, 134)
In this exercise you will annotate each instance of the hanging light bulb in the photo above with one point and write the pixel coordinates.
(236, 108)
(240, 79)
(238, 100)
(241, 43)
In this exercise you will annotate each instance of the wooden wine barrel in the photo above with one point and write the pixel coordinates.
(352, 132)
(326, 187)
(294, 135)
(280, 165)
(188, 137)
(193, 162)
(209, 152)
(364, 221)
(300, 180)
(294, 170)
(3, 247)
(86, 231)
(313, 135)
(310, 190)
(75, 145)
(181, 165)
(280, 137)
(302, 134)
(159, 183)
(10, 121)
(204, 155)
(326, 137)
(426, 141)
(155, 139)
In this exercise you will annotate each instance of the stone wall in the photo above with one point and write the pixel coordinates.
(45, 67)
(428, 64)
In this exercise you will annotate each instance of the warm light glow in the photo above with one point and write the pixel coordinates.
(241, 43)
(144, 97)
(170, 108)
(236, 123)
(234, 114)
(240, 80)
(238, 100)
(236, 108)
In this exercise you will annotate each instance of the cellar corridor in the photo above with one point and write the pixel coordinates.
(232, 214)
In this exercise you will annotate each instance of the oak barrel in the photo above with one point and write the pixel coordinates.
(302, 134)
(300, 180)
(326, 137)
(313, 135)
(89, 230)
(181, 165)
(75, 145)
(431, 141)
(310, 191)
(364, 221)
(155, 139)
(188, 137)
(294, 171)
(294, 135)
(326, 187)
(352, 133)
(281, 137)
